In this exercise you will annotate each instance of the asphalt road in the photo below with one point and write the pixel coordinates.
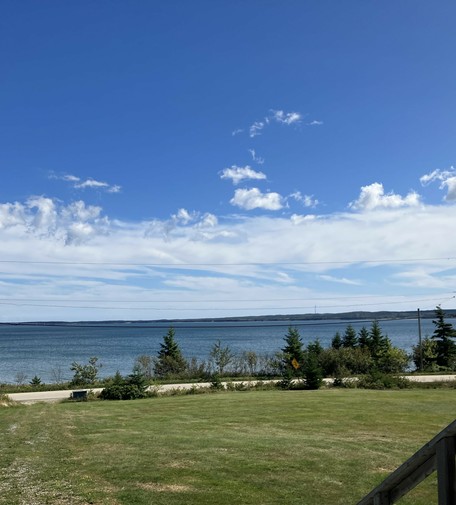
(55, 396)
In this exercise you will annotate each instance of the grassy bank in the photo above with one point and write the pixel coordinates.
(294, 447)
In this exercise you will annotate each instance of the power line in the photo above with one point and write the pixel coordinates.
(253, 263)
(300, 307)
(220, 300)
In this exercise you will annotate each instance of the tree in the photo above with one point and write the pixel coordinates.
(444, 335)
(170, 360)
(293, 352)
(364, 340)
(378, 342)
(293, 357)
(144, 365)
(221, 356)
(85, 375)
(427, 352)
(313, 374)
(336, 342)
(251, 359)
(350, 340)
(36, 381)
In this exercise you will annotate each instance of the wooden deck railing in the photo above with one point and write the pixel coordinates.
(438, 454)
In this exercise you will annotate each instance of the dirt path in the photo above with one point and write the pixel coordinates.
(55, 396)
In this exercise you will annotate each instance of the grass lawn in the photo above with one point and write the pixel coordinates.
(265, 447)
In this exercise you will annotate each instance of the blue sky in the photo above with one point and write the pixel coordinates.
(203, 159)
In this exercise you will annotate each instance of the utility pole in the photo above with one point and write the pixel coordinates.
(419, 341)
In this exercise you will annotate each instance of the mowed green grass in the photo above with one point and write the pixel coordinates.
(265, 447)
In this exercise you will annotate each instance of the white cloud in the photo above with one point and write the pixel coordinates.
(238, 174)
(11, 214)
(237, 131)
(255, 158)
(250, 258)
(306, 200)
(71, 178)
(90, 183)
(340, 280)
(315, 123)
(250, 199)
(277, 116)
(46, 218)
(374, 197)
(447, 179)
(256, 128)
(287, 118)
(298, 219)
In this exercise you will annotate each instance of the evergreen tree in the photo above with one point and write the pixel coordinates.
(314, 348)
(378, 342)
(350, 340)
(313, 373)
(293, 350)
(292, 357)
(336, 342)
(364, 338)
(170, 360)
(444, 335)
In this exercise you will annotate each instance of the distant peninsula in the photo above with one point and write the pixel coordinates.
(344, 316)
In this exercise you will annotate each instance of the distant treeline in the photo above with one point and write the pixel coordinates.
(344, 316)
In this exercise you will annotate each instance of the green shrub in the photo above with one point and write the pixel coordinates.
(129, 388)
(380, 380)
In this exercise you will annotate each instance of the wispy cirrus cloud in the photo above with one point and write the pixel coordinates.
(340, 280)
(249, 199)
(256, 127)
(373, 197)
(447, 180)
(237, 174)
(287, 118)
(90, 183)
(255, 158)
(275, 116)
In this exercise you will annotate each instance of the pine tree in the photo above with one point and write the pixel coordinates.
(350, 340)
(336, 342)
(293, 356)
(378, 341)
(364, 338)
(170, 360)
(444, 335)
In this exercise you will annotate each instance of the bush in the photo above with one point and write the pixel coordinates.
(129, 388)
(85, 374)
(380, 380)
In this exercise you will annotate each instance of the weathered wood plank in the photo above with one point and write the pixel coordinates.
(382, 498)
(446, 472)
(416, 466)
(413, 479)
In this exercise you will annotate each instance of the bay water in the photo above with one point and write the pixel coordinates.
(48, 350)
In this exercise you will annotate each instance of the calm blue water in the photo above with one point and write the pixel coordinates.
(41, 350)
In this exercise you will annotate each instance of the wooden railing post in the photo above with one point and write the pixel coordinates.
(382, 498)
(446, 471)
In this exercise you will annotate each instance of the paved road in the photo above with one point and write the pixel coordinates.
(55, 396)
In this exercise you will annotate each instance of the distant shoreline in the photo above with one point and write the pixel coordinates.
(348, 316)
